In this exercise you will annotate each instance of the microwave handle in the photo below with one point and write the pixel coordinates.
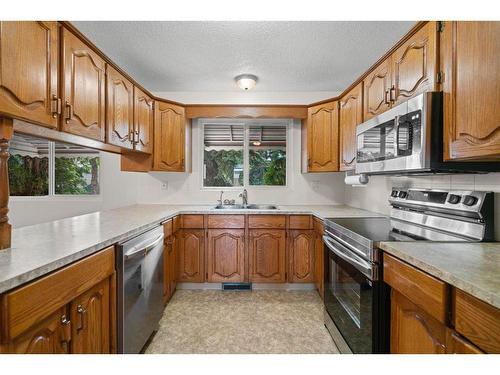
(366, 269)
(396, 141)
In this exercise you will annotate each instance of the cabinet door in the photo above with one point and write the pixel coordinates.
(90, 316)
(191, 256)
(322, 138)
(170, 140)
(29, 52)
(120, 109)
(414, 65)
(50, 336)
(318, 261)
(82, 89)
(167, 276)
(351, 115)
(226, 255)
(174, 262)
(471, 65)
(143, 121)
(301, 256)
(413, 331)
(376, 88)
(267, 255)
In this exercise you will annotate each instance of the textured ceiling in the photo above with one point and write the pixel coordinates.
(206, 56)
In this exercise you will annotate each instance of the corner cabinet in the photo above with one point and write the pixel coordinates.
(83, 89)
(321, 139)
(376, 88)
(29, 55)
(119, 109)
(170, 138)
(72, 310)
(471, 65)
(143, 121)
(351, 115)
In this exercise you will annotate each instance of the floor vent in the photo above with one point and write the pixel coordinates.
(236, 286)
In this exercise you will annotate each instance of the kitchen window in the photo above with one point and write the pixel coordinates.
(242, 154)
(41, 168)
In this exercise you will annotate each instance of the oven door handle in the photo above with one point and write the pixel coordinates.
(361, 265)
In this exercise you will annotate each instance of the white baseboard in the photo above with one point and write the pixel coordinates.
(255, 286)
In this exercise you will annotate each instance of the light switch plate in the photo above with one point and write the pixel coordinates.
(164, 186)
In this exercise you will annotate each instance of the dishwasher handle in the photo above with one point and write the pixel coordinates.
(141, 249)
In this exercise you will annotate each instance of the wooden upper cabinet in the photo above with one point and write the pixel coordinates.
(226, 255)
(143, 121)
(90, 317)
(191, 256)
(322, 138)
(83, 89)
(414, 65)
(29, 52)
(170, 138)
(301, 256)
(351, 115)
(376, 88)
(471, 64)
(267, 255)
(119, 109)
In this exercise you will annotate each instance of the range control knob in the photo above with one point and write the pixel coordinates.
(453, 198)
(469, 200)
(402, 194)
(394, 193)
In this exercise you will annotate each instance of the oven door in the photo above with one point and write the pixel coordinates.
(350, 296)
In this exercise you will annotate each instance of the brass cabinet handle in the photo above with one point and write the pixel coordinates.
(386, 97)
(66, 331)
(131, 137)
(81, 317)
(393, 94)
(56, 106)
(69, 112)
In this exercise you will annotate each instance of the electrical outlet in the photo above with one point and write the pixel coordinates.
(315, 185)
(164, 186)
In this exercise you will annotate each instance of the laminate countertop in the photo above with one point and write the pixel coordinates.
(39, 249)
(471, 267)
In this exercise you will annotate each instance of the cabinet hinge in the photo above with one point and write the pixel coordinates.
(440, 26)
(440, 77)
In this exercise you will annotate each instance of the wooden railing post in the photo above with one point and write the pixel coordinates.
(6, 131)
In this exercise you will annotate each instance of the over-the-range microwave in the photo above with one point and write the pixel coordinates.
(408, 139)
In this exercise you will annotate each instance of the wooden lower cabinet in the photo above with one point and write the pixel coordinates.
(72, 310)
(319, 257)
(455, 344)
(267, 255)
(226, 255)
(90, 317)
(413, 331)
(301, 256)
(191, 256)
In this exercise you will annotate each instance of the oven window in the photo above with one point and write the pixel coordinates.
(347, 291)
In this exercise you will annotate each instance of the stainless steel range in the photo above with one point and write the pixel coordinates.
(356, 299)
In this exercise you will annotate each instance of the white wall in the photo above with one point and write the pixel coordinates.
(374, 196)
(117, 189)
(186, 188)
(247, 97)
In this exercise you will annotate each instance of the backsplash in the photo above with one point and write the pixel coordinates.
(374, 196)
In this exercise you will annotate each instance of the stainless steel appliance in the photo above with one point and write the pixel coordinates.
(140, 289)
(408, 139)
(356, 300)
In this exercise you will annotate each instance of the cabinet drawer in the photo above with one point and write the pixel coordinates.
(477, 321)
(192, 221)
(167, 228)
(424, 290)
(318, 226)
(31, 303)
(226, 221)
(300, 222)
(266, 221)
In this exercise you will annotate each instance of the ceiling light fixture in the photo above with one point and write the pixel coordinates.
(246, 81)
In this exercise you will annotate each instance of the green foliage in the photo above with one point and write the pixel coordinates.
(70, 175)
(28, 176)
(220, 165)
(267, 167)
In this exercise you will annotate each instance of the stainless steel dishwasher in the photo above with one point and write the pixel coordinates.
(140, 289)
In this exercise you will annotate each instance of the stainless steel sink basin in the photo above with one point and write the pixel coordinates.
(261, 207)
(247, 207)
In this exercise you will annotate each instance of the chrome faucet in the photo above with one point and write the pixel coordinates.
(244, 196)
(220, 199)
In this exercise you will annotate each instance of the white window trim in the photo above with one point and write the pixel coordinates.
(52, 196)
(246, 185)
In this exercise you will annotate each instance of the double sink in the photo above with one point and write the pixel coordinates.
(245, 207)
